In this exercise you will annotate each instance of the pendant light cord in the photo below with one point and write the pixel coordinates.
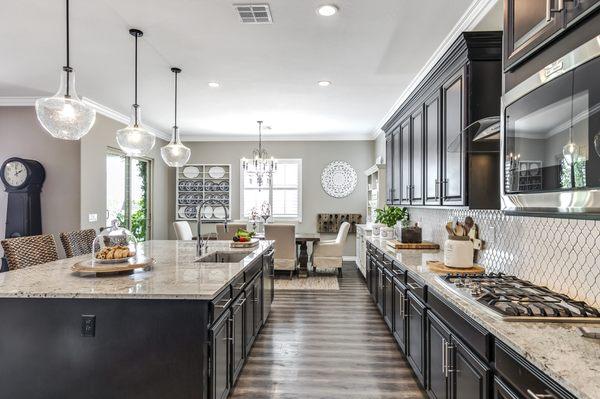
(175, 101)
(260, 138)
(68, 68)
(135, 101)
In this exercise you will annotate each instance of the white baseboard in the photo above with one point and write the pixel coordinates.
(349, 258)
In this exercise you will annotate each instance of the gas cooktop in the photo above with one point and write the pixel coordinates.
(514, 299)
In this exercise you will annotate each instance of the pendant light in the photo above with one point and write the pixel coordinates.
(175, 154)
(64, 115)
(135, 140)
(261, 164)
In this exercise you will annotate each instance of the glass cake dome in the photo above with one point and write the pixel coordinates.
(114, 244)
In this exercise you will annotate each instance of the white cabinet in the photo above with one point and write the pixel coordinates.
(376, 194)
(362, 232)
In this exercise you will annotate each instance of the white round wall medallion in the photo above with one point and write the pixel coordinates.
(339, 179)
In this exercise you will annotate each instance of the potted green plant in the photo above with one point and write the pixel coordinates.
(389, 216)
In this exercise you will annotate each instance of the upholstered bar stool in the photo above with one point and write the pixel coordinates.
(23, 252)
(183, 231)
(78, 243)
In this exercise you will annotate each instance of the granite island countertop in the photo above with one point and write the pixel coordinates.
(174, 275)
(557, 349)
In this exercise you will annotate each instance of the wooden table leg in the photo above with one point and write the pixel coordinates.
(303, 260)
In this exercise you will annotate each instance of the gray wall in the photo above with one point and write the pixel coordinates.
(21, 135)
(93, 178)
(315, 156)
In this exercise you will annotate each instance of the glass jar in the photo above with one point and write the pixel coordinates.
(114, 244)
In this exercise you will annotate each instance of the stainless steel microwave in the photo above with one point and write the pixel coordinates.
(550, 137)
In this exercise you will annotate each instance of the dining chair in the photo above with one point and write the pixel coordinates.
(183, 231)
(284, 236)
(28, 251)
(78, 242)
(328, 254)
(231, 229)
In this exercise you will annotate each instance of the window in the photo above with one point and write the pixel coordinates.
(284, 194)
(127, 193)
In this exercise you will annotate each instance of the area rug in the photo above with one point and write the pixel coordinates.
(329, 282)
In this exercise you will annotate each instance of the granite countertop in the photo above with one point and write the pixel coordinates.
(174, 275)
(558, 349)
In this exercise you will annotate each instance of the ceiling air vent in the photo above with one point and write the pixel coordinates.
(254, 13)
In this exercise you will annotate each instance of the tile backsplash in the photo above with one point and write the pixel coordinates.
(562, 254)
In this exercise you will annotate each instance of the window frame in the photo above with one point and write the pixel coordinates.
(297, 219)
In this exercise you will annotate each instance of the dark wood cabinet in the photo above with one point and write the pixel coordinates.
(578, 9)
(432, 150)
(438, 338)
(258, 303)
(220, 357)
(380, 292)
(389, 167)
(415, 336)
(503, 391)
(399, 314)
(437, 159)
(268, 284)
(388, 307)
(454, 143)
(238, 353)
(417, 158)
(250, 315)
(470, 377)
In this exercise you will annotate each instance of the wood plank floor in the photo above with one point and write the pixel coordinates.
(326, 345)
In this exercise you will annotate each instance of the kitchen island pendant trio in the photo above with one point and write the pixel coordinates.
(134, 140)
(175, 154)
(65, 116)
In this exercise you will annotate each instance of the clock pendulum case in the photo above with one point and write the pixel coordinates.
(23, 180)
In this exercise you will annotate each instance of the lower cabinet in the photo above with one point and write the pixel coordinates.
(220, 358)
(453, 370)
(503, 391)
(252, 310)
(399, 315)
(238, 352)
(258, 303)
(388, 309)
(415, 335)
(380, 293)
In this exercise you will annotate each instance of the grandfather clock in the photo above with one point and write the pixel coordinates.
(23, 180)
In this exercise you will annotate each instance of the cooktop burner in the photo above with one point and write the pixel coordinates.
(518, 300)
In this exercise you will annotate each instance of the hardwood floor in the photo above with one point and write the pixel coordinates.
(326, 344)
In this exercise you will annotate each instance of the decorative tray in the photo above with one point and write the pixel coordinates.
(89, 266)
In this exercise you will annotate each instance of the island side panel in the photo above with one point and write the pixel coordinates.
(141, 349)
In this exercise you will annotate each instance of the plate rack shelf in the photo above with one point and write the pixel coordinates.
(200, 182)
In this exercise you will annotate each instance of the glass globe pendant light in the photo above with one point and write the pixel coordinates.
(64, 115)
(135, 140)
(175, 154)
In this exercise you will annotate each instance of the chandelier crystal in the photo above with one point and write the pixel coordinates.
(175, 154)
(133, 139)
(64, 115)
(261, 165)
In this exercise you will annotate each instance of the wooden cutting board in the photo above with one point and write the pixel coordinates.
(249, 244)
(86, 266)
(404, 245)
(440, 268)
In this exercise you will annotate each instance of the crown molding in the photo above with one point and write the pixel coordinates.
(277, 137)
(472, 16)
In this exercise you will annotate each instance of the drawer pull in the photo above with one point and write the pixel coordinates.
(533, 395)
(223, 306)
(414, 286)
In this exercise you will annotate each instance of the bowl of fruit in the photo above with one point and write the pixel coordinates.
(244, 239)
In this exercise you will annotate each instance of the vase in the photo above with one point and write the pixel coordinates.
(387, 233)
(376, 229)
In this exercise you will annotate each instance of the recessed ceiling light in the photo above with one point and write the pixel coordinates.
(324, 83)
(213, 84)
(327, 10)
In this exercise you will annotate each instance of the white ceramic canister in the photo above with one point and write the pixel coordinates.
(376, 229)
(387, 233)
(458, 252)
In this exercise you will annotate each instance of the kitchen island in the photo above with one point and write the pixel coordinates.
(181, 329)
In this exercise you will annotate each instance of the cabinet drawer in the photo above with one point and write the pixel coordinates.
(524, 377)
(478, 338)
(416, 286)
(387, 262)
(252, 271)
(220, 303)
(399, 272)
(238, 285)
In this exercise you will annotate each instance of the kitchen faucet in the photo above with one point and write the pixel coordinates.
(201, 243)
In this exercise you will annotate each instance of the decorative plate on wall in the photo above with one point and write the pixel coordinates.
(339, 179)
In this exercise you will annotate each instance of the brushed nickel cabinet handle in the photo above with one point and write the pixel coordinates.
(444, 356)
(413, 286)
(539, 395)
(550, 10)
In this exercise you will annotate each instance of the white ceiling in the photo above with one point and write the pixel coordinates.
(371, 51)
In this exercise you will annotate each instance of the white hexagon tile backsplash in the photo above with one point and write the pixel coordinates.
(562, 254)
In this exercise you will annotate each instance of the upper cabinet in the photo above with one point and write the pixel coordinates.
(435, 161)
(531, 24)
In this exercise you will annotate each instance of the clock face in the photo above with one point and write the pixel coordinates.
(15, 173)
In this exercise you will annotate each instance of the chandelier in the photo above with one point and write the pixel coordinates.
(261, 165)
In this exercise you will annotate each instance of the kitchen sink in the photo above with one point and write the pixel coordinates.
(223, 257)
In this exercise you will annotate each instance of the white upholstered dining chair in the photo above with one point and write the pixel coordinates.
(328, 254)
(183, 231)
(284, 236)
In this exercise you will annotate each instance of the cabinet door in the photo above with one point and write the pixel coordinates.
(432, 150)
(389, 167)
(258, 303)
(577, 9)
(527, 25)
(503, 391)
(220, 355)
(399, 314)
(388, 307)
(470, 377)
(453, 182)
(438, 339)
(380, 297)
(405, 162)
(415, 335)
(397, 167)
(416, 188)
(250, 315)
(268, 291)
(238, 353)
